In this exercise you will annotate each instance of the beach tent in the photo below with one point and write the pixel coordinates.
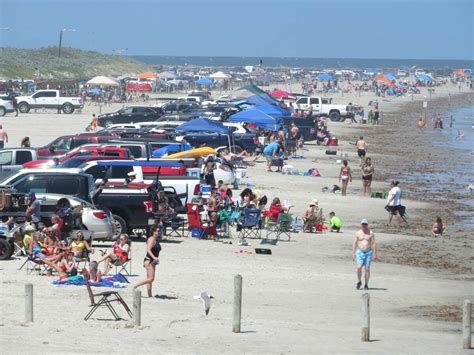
(273, 110)
(219, 75)
(325, 76)
(204, 81)
(147, 75)
(424, 77)
(102, 81)
(279, 93)
(202, 124)
(390, 76)
(462, 72)
(258, 118)
(95, 91)
(259, 100)
(384, 79)
(172, 148)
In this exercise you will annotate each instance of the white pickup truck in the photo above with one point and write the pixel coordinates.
(334, 112)
(49, 99)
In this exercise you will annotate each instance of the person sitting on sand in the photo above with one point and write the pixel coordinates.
(439, 228)
(310, 217)
(119, 252)
(92, 273)
(335, 223)
(421, 123)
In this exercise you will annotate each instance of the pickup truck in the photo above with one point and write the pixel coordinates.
(334, 112)
(49, 99)
(12, 159)
(64, 144)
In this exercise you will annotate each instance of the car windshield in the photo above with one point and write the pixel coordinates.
(71, 163)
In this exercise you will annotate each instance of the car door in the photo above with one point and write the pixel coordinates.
(6, 160)
(314, 102)
(302, 103)
(20, 157)
(60, 146)
(38, 100)
(125, 116)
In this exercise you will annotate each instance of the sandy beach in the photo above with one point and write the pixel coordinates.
(300, 299)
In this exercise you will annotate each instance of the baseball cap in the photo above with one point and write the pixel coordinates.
(364, 221)
(31, 195)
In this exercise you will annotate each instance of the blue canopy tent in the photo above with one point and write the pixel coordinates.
(202, 124)
(325, 76)
(371, 71)
(273, 110)
(95, 91)
(390, 76)
(424, 77)
(204, 81)
(172, 148)
(261, 99)
(258, 118)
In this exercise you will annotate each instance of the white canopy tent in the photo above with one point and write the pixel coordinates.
(219, 75)
(102, 81)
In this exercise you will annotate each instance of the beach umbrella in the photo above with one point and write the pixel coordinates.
(384, 79)
(147, 75)
(325, 76)
(204, 81)
(102, 81)
(279, 93)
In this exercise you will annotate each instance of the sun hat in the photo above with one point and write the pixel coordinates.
(364, 221)
(314, 202)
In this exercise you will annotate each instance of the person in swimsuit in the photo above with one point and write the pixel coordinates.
(79, 246)
(345, 176)
(361, 149)
(153, 249)
(35, 251)
(119, 252)
(439, 228)
(364, 250)
(367, 174)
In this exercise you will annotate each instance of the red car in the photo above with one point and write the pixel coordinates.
(64, 144)
(108, 152)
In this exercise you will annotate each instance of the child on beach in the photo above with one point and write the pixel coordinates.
(92, 126)
(335, 223)
(439, 228)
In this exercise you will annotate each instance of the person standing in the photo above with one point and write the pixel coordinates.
(14, 103)
(361, 149)
(34, 208)
(394, 203)
(3, 137)
(345, 176)
(153, 249)
(367, 174)
(364, 250)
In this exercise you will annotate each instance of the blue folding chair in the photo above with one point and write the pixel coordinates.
(250, 223)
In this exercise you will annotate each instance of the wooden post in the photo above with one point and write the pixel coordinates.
(365, 317)
(137, 307)
(466, 324)
(237, 303)
(29, 303)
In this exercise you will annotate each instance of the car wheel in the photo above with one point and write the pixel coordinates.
(335, 116)
(3, 111)
(108, 123)
(120, 226)
(68, 108)
(24, 107)
(6, 250)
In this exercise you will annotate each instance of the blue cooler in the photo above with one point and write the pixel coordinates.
(198, 233)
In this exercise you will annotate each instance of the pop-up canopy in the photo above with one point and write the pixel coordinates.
(258, 118)
(202, 124)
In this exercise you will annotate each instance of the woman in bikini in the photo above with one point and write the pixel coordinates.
(345, 176)
(153, 249)
(367, 173)
(79, 246)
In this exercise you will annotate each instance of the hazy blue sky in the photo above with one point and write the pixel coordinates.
(421, 29)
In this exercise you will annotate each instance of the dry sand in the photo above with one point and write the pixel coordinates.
(300, 299)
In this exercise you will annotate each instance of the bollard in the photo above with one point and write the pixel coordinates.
(29, 303)
(137, 307)
(237, 303)
(365, 317)
(466, 324)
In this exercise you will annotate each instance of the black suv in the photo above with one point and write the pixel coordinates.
(129, 115)
(177, 107)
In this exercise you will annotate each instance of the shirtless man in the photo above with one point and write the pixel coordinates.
(364, 250)
(3, 137)
(361, 149)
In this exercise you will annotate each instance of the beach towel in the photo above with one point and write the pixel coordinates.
(116, 281)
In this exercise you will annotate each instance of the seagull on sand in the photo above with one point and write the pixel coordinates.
(460, 135)
(206, 300)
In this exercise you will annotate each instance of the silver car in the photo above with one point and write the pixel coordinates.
(93, 219)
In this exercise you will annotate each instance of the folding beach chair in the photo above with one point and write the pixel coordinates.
(250, 223)
(34, 264)
(106, 300)
(224, 221)
(281, 227)
(199, 229)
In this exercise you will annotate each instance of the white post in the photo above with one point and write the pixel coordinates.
(365, 317)
(466, 324)
(237, 303)
(137, 307)
(29, 303)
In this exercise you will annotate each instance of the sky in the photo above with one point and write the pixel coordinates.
(395, 29)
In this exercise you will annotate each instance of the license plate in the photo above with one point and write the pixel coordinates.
(151, 221)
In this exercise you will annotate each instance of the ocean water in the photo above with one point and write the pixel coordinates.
(294, 62)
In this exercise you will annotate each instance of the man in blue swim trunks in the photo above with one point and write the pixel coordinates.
(364, 250)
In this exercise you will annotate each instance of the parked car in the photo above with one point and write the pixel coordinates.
(129, 115)
(63, 144)
(49, 99)
(12, 159)
(6, 106)
(179, 107)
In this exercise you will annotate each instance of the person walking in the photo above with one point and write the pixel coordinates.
(361, 149)
(394, 203)
(345, 176)
(153, 249)
(364, 251)
(14, 103)
(3, 137)
(367, 174)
